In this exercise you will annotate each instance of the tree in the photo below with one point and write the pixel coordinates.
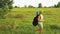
(16, 7)
(40, 5)
(58, 5)
(4, 2)
(25, 6)
(31, 6)
(45, 7)
(55, 6)
(5, 6)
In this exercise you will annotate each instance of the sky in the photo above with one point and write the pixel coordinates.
(22, 3)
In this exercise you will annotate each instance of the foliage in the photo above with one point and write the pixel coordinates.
(5, 6)
(4, 2)
(58, 5)
(30, 6)
(40, 5)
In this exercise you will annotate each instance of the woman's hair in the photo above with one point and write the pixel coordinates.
(38, 12)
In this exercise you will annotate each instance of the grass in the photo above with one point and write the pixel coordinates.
(21, 20)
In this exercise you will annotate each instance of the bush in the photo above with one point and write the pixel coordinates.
(3, 11)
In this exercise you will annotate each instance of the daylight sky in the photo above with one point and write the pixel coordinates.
(34, 3)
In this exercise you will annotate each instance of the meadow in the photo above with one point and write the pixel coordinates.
(19, 21)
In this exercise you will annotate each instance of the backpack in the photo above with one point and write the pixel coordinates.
(35, 21)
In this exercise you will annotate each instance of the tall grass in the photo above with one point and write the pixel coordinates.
(19, 21)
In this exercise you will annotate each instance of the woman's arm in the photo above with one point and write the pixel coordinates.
(39, 19)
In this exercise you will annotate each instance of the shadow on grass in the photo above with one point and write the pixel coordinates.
(54, 27)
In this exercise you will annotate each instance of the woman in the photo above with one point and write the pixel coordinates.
(40, 21)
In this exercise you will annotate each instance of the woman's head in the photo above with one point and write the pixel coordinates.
(38, 12)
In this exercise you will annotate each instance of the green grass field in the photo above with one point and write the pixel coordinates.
(19, 21)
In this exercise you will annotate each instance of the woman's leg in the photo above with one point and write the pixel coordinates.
(40, 30)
